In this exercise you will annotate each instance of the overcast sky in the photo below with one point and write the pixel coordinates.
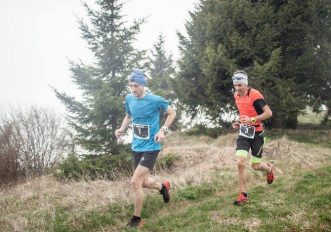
(39, 36)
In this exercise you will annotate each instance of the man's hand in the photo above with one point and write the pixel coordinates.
(159, 137)
(235, 125)
(119, 133)
(245, 120)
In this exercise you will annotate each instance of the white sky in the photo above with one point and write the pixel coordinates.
(38, 36)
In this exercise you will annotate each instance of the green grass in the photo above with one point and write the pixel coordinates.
(311, 118)
(302, 203)
(294, 203)
(309, 130)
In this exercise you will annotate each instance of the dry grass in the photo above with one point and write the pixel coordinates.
(26, 206)
(251, 224)
(43, 195)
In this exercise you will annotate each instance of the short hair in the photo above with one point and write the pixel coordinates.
(240, 71)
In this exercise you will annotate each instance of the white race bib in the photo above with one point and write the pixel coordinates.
(247, 131)
(141, 131)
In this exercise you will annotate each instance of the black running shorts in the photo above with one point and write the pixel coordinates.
(146, 159)
(255, 144)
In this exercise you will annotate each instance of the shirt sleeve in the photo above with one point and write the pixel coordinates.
(258, 105)
(162, 104)
(258, 102)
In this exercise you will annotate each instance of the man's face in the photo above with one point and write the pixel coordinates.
(136, 89)
(240, 88)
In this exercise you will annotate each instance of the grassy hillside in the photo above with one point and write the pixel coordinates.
(204, 181)
(299, 203)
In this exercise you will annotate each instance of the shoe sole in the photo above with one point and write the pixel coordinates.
(239, 204)
(273, 169)
(167, 185)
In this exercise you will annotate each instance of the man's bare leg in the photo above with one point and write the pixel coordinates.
(241, 162)
(140, 174)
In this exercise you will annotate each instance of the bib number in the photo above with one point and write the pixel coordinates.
(247, 131)
(141, 131)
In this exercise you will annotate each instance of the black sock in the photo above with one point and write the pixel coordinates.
(136, 218)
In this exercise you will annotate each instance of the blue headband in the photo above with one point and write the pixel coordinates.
(138, 77)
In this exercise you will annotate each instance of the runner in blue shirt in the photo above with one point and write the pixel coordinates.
(143, 111)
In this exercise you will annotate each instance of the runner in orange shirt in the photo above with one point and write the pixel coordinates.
(253, 109)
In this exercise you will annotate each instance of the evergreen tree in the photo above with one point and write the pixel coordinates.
(202, 83)
(161, 71)
(283, 45)
(103, 83)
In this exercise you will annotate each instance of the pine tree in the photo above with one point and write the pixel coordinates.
(283, 45)
(162, 71)
(103, 83)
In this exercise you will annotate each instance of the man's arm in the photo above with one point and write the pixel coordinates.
(171, 115)
(126, 121)
(267, 113)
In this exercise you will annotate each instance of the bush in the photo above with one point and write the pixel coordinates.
(200, 129)
(166, 161)
(32, 141)
(10, 170)
(109, 167)
(92, 167)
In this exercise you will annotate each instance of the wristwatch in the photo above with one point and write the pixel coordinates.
(253, 120)
(165, 129)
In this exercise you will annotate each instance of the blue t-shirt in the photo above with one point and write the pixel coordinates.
(145, 116)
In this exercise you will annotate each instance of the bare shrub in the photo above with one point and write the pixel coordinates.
(34, 140)
(9, 170)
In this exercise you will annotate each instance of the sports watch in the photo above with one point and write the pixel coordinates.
(253, 120)
(165, 129)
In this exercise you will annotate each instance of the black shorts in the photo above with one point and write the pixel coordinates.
(146, 159)
(255, 144)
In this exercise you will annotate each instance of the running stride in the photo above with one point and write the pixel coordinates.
(143, 110)
(253, 109)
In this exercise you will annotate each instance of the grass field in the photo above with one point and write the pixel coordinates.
(311, 118)
(204, 181)
(298, 203)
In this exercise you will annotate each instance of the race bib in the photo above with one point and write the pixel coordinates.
(141, 131)
(247, 131)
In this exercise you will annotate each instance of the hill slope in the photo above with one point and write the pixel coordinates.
(204, 181)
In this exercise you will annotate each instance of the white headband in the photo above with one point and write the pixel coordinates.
(240, 78)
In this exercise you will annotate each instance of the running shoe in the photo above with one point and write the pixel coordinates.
(165, 191)
(271, 174)
(135, 222)
(241, 199)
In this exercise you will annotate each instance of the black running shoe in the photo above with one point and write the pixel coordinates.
(135, 222)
